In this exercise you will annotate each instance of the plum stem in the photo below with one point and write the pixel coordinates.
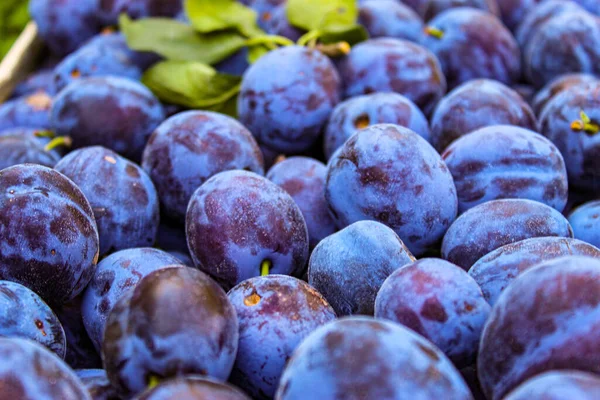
(435, 32)
(584, 123)
(58, 141)
(334, 49)
(153, 381)
(44, 134)
(265, 267)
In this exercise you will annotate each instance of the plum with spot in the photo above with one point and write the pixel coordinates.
(390, 18)
(493, 224)
(360, 112)
(585, 221)
(114, 112)
(394, 65)
(114, 275)
(473, 44)
(265, 9)
(497, 269)
(439, 301)
(190, 147)
(390, 174)
(558, 385)
(32, 111)
(49, 236)
(193, 387)
(22, 150)
(109, 11)
(476, 104)
(275, 313)
(304, 179)
(122, 196)
(435, 7)
(513, 12)
(175, 321)
(278, 24)
(240, 225)
(364, 358)
(547, 319)
(97, 384)
(556, 86)
(286, 97)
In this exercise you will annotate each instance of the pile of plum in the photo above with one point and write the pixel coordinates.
(418, 218)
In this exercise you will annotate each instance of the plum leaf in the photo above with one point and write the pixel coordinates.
(320, 14)
(209, 16)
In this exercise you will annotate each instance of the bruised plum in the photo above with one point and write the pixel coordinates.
(556, 86)
(275, 313)
(558, 385)
(192, 388)
(390, 18)
(364, 358)
(240, 225)
(585, 221)
(548, 318)
(438, 300)
(31, 111)
(23, 149)
(97, 383)
(49, 236)
(495, 223)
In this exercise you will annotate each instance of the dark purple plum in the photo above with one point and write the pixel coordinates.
(364, 358)
(22, 150)
(121, 194)
(350, 266)
(176, 321)
(513, 12)
(394, 65)
(504, 162)
(360, 112)
(41, 81)
(556, 86)
(49, 236)
(496, 223)
(287, 96)
(32, 111)
(546, 319)
(23, 314)
(390, 18)
(97, 384)
(476, 104)
(435, 7)
(558, 385)
(439, 301)
(304, 179)
(113, 112)
(585, 221)
(497, 269)
(109, 10)
(473, 44)
(240, 225)
(29, 371)
(390, 174)
(190, 147)
(236, 64)
(114, 276)
(192, 388)
(275, 313)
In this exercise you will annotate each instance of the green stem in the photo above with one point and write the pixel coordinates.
(58, 141)
(310, 36)
(269, 40)
(265, 267)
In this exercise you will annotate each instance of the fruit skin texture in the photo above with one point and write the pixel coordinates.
(493, 224)
(474, 44)
(585, 221)
(287, 96)
(515, 11)
(117, 113)
(436, 7)
(236, 220)
(96, 382)
(477, 104)
(109, 11)
(390, 18)
(24, 314)
(304, 179)
(275, 313)
(394, 65)
(192, 388)
(378, 108)
(190, 147)
(388, 361)
(114, 275)
(39, 81)
(49, 236)
(502, 161)
(146, 335)
(497, 269)
(23, 149)
(556, 86)
(349, 267)
(390, 174)
(32, 111)
(558, 385)
(546, 319)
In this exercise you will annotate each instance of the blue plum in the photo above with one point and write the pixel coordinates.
(109, 10)
(122, 196)
(394, 65)
(117, 113)
(390, 174)
(49, 236)
(497, 269)
(558, 385)
(493, 224)
(476, 104)
(275, 313)
(390, 18)
(435, 7)
(585, 221)
(359, 112)
(32, 111)
(146, 337)
(264, 9)
(97, 384)
(439, 301)
(513, 12)
(278, 24)
(190, 147)
(546, 319)
(192, 388)
(240, 225)
(287, 96)
(114, 275)
(590, 5)
(350, 266)
(39, 81)
(23, 149)
(304, 179)
(364, 358)
(556, 86)
(236, 64)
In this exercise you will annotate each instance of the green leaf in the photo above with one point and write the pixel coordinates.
(177, 41)
(319, 14)
(210, 16)
(14, 16)
(256, 52)
(193, 85)
(351, 34)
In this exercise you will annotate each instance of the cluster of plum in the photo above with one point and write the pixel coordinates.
(416, 219)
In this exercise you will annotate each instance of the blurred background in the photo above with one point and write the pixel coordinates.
(13, 18)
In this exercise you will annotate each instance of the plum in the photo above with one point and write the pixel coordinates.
(558, 385)
(97, 384)
(278, 24)
(265, 9)
(32, 111)
(109, 10)
(556, 86)
(390, 18)
(585, 221)
(513, 12)
(236, 64)
(192, 388)
(39, 81)
(24, 149)
(435, 7)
